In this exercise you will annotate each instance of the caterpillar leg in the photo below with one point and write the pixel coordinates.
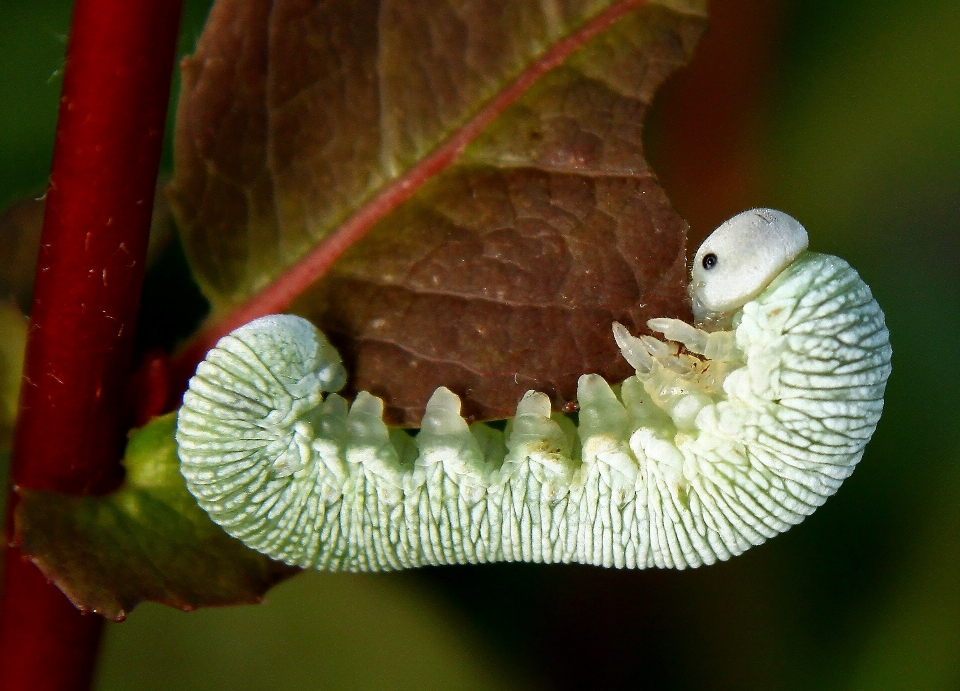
(645, 353)
(679, 383)
(713, 345)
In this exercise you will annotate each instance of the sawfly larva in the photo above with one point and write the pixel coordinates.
(730, 432)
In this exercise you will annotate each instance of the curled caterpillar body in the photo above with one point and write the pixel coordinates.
(706, 451)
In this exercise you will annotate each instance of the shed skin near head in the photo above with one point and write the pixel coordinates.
(739, 260)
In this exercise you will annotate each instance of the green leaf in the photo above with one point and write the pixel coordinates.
(495, 153)
(146, 541)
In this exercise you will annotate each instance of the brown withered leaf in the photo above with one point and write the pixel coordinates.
(505, 269)
(147, 540)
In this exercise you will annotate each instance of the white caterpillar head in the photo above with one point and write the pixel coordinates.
(739, 259)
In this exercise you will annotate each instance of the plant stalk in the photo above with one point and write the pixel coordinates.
(72, 420)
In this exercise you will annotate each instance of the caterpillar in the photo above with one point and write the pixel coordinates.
(731, 431)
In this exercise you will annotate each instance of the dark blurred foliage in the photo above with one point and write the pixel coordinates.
(842, 113)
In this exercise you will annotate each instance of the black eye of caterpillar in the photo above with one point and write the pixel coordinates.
(709, 261)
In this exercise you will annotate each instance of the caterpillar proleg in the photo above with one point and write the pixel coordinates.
(730, 432)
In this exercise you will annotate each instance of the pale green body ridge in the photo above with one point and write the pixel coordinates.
(691, 461)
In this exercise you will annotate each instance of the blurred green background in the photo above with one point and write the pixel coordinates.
(850, 121)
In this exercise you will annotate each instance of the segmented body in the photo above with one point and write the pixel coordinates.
(692, 461)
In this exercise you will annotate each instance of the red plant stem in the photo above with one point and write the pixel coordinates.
(71, 425)
(277, 296)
